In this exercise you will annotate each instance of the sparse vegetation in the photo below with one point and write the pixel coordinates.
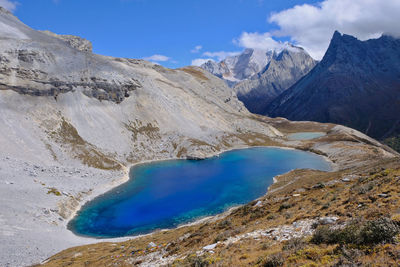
(393, 142)
(53, 191)
(295, 244)
(284, 206)
(197, 261)
(137, 128)
(194, 72)
(182, 151)
(68, 136)
(256, 139)
(273, 260)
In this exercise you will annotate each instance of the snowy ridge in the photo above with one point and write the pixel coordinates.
(240, 67)
(284, 69)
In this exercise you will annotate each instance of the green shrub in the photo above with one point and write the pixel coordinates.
(378, 231)
(197, 261)
(348, 256)
(295, 244)
(53, 191)
(244, 210)
(224, 224)
(273, 260)
(393, 142)
(284, 206)
(382, 230)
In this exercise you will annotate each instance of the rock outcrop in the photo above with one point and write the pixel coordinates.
(74, 41)
(45, 64)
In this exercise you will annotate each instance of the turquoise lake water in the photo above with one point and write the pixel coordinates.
(166, 194)
(305, 135)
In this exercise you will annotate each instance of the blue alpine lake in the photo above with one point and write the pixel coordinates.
(165, 194)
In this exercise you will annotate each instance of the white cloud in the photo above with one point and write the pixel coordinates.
(200, 61)
(196, 49)
(214, 56)
(9, 5)
(312, 26)
(257, 40)
(157, 57)
(221, 55)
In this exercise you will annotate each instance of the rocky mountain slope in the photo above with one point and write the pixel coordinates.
(233, 69)
(186, 102)
(72, 123)
(284, 70)
(74, 41)
(357, 84)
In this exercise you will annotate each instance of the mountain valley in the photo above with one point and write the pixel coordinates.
(74, 123)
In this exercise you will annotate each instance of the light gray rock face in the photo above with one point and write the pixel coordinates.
(218, 69)
(236, 68)
(74, 41)
(284, 70)
(39, 64)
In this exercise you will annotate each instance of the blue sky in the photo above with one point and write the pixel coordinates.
(173, 28)
(142, 28)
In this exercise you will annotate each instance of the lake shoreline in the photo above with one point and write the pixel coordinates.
(126, 178)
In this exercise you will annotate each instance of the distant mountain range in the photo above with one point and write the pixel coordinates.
(357, 84)
(284, 69)
(234, 69)
(258, 76)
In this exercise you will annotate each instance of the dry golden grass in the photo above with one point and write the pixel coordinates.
(195, 73)
(288, 127)
(257, 139)
(87, 153)
(137, 128)
(53, 191)
(182, 152)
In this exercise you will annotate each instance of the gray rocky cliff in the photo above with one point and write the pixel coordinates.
(74, 41)
(46, 64)
(357, 84)
(284, 70)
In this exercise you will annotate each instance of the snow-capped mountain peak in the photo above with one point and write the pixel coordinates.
(251, 61)
(240, 67)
